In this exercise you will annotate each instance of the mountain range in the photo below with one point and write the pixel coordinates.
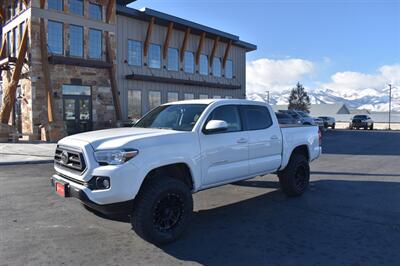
(370, 99)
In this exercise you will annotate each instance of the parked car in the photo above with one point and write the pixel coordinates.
(329, 121)
(320, 123)
(361, 121)
(300, 115)
(151, 170)
(286, 118)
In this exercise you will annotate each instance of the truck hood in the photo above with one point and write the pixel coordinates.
(116, 137)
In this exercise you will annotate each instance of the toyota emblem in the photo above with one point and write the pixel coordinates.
(64, 157)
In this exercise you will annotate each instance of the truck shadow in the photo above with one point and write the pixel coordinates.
(335, 221)
(361, 142)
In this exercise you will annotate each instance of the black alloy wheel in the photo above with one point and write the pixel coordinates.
(168, 212)
(301, 179)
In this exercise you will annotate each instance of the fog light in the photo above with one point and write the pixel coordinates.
(102, 182)
(106, 183)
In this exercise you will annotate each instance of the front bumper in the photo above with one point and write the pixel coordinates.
(359, 124)
(77, 191)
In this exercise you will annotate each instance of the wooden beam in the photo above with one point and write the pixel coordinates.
(200, 47)
(184, 43)
(167, 39)
(42, 3)
(213, 51)
(11, 89)
(26, 3)
(3, 51)
(110, 7)
(46, 71)
(226, 54)
(112, 73)
(186, 82)
(2, 14)
(148, 36)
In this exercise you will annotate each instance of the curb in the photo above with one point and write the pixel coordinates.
(26, 162)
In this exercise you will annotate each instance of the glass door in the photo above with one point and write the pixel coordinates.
(77, 113)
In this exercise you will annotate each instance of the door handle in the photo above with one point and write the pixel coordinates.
(242, 140)
(274, 137)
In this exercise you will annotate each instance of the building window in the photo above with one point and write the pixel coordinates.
(172, 97)
(76, 90)
(21, 29)
(154, 56)
(15, 41)
(228, 97)
(217, 66)
(134, 104)
(9, 46)
(173, 59)
(134, 53)
(95, 11)
(154, 99)
(203, 64)
(203, 96)
(95, 44)
(216, 97)
(188, 96)
(189, 62)
(15, 8)
(76, 7)
(55, 37)
(55, 4)
(76, 40)
(229, 69)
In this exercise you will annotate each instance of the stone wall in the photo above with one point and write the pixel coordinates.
(103, 112)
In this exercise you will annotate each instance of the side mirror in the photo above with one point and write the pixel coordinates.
(215, 126)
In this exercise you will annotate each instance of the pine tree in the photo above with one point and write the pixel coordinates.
(298, 99)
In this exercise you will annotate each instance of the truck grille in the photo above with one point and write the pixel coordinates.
(69, 158)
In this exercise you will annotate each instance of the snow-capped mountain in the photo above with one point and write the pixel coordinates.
(370, 99)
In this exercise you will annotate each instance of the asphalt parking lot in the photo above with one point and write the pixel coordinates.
(350, 216)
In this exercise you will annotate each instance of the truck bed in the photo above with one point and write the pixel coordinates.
(297, 135)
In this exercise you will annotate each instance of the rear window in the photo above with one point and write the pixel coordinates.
(281, 115)
(256, 117)
(360, 117)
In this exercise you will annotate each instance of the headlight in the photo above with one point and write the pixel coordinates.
(114, 157)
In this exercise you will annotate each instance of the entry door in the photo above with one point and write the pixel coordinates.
(225, 155)
(77, 113)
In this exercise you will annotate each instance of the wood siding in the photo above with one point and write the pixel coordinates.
(133, 29)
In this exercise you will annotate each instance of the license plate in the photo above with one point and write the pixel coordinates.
(60, 189)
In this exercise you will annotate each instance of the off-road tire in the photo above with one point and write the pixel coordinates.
(153, 192)
(366, 127)
(333, 126)
(289, 179)
(371, 127)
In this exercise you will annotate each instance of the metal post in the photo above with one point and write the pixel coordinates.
(268, 97)
(390, 104)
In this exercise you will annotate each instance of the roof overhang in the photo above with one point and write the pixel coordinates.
(125, 2)
(181, 24)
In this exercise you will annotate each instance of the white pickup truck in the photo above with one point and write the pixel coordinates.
(151, 170)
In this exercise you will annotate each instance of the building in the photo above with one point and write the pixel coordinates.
(76, 65)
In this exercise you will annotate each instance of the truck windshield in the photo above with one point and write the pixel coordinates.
(181, 117)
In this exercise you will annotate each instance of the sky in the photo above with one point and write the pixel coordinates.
(333, 44)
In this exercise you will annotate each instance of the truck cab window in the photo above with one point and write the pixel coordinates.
(257, 117)
(229, 114)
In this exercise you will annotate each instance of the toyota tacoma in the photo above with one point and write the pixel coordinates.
(151, 170)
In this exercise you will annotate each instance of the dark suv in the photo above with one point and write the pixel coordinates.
(361, 121)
